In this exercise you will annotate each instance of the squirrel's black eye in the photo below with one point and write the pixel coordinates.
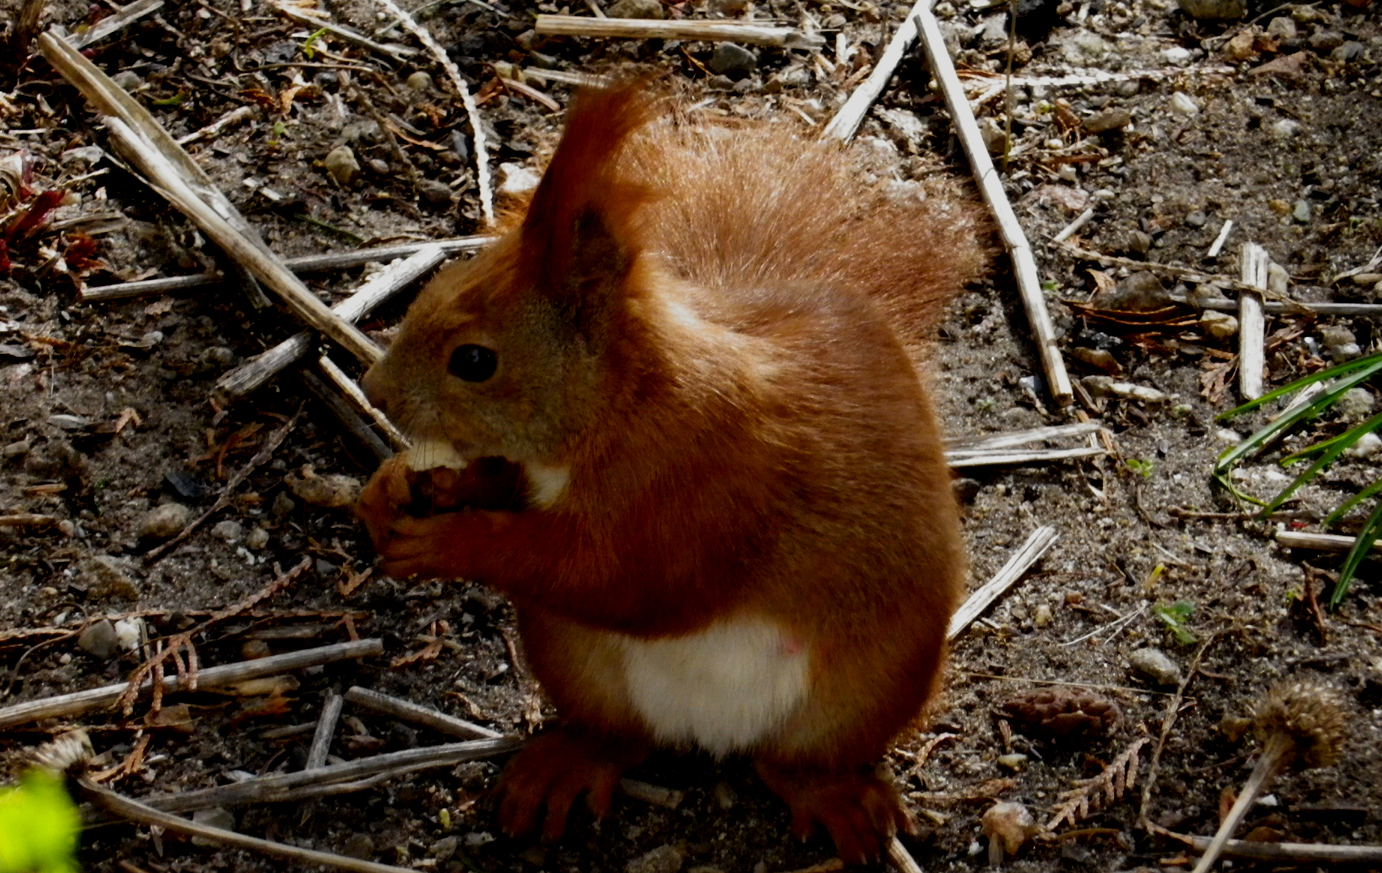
(472, 363)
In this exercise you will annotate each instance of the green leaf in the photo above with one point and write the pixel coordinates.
(39, 824)
(1334, 448)
(1354, 501)
(1361, 547)
(1306, 412)
(1174, 616)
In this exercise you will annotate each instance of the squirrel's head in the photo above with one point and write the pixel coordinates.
(511, 354)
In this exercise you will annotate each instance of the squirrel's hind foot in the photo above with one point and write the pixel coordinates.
(556, 768)
(861, 812)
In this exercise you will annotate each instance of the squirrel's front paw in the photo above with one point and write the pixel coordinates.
(383, 500)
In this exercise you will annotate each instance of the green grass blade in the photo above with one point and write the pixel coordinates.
(1354, 501)
(1361, 547)
(1310, 410)
(1336, 447)
(1329, 373)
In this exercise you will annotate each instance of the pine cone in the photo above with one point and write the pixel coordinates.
(1062, 714)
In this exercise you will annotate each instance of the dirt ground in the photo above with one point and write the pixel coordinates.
(1275, 125)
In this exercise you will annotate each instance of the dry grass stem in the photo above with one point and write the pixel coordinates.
(404, 710)
(80, 702)
(1031, 551)
(380, 288)
(851, 114)
(1318, 541)
(1251, 322)
(482, 176)
(991, 186)
(702, 31)
(135, 811)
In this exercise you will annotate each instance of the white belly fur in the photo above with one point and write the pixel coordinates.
(723, 688)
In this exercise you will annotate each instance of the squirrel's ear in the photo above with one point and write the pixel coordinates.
(596, 268)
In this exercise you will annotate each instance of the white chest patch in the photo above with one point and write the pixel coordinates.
(723, 688)
(547, 482)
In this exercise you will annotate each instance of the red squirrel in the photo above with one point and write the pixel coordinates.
(730, 523)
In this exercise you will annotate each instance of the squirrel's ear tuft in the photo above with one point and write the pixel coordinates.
(579, 220)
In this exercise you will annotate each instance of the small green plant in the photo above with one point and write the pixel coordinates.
(1340, 379)
(1174, 616)
(39, 824)
(1141, 466)
(308, 48)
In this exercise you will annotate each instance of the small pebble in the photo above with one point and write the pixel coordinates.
(98, 640)
(663, 859)
(253, 650)
(1041, 616)
(1219, 325)
(1325, 40)
(332, 491)
(434, 191)
(127, 79)
(340, 163)
(637, 9)
(107, 578)
(1108, 120)
(17, 449)
(1341, 343)
(1356, 404)
(282, 505)
(1157, 666)
(1368, 445)
(1285, 128)
(129, 634)
(732, 60)
(1178, 55)
(444, 848)
(1301, 213)
(1014, 762)
(216, 817)
(421, 82)
(1196, 219)
(1282, 27)
(359, 845)
(164, 521)
(256, 539)
(517, 179)
(229, 531)
(1348, 52)
(1183, 104)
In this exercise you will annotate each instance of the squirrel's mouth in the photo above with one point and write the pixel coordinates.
(444, 480)
(431, 454)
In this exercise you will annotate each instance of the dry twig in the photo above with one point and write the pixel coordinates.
(223, 500)
(991, 186)
(78, 702)
(1037, 544)
(703, 31)
(135, 811)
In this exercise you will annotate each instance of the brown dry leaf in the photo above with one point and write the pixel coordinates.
(262, 686)
(161, 307)
(427, 653)
(127, 416)
(1103, 282)
(263, 707)
(177, 717)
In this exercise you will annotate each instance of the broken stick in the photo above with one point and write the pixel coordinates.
(991, 186)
